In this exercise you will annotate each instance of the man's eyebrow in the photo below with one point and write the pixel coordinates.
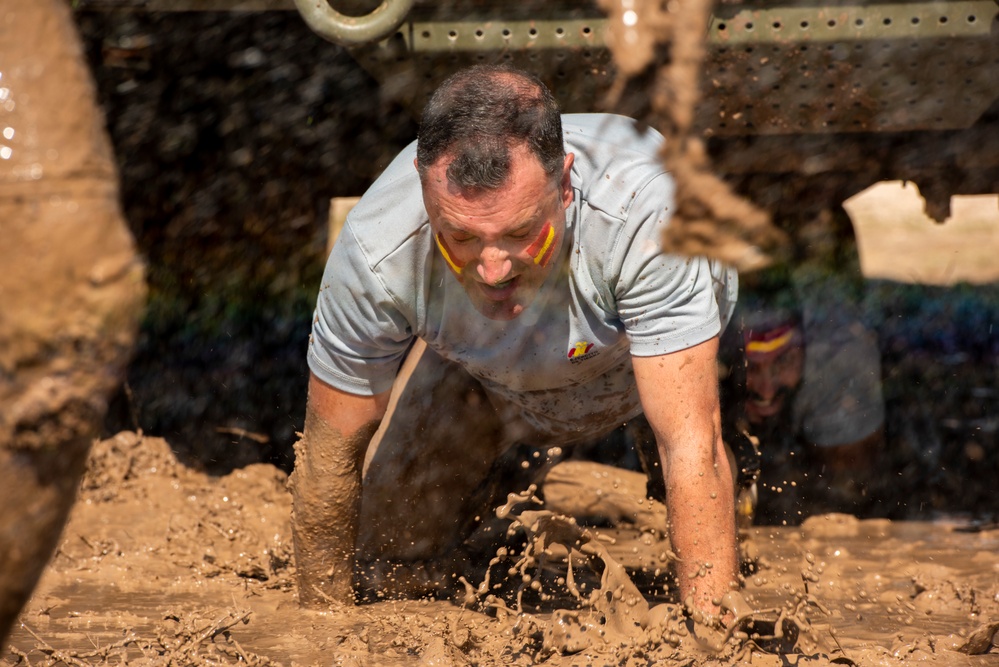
(448, 225)
(453, 228)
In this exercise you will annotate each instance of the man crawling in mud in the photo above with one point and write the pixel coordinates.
(502, 282)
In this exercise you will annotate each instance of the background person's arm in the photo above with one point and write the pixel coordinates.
(679, 393)
(326, 490)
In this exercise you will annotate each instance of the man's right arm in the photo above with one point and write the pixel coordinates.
(326, 490)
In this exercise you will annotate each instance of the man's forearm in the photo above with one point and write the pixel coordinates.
(326, 497)
(680, 395)
(702, 529)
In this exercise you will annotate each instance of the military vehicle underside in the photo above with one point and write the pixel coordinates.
(803, 104)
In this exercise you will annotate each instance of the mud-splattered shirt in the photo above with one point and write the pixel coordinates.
(566, 360)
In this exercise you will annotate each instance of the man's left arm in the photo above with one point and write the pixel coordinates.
(679, 393)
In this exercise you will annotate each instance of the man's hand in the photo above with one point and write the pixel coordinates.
(326, 490)
(679, 393)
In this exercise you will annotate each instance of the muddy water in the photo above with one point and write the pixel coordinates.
(160, 563)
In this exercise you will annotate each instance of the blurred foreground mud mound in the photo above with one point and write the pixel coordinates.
(71, 285)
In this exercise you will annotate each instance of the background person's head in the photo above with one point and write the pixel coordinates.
(496, 184)
(775, 361)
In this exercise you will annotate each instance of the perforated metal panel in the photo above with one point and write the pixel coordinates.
(772, 67)
(769, 70)
(897, 67)
(569, 55)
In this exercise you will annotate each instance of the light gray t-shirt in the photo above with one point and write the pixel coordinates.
(566, 360)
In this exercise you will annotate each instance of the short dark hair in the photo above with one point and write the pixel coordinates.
(478, 113)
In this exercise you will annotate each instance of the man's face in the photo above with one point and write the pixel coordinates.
(771, 380)
(501, 243)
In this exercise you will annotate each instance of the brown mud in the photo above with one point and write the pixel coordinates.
(71, 289)
(161, 564)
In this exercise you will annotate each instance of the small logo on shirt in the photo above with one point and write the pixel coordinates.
(581, 351)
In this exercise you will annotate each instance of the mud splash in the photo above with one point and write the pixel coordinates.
(160, 563)
(661, 46)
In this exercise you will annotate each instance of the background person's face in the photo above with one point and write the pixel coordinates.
(502, 243)
(770, 382)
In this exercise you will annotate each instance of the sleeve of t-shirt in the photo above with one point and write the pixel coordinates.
(666, 302)
(359, 333)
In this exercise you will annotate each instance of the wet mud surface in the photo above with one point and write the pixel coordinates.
(162, 564)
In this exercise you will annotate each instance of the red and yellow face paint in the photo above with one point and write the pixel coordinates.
(455, 265)
(542, 248)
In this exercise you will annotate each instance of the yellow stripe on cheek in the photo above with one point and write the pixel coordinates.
(447, 256)
(547, 244)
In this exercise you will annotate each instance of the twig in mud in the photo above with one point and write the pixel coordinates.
(223, 624)
(54, 653)
(208, 524)
(21, 656)
(239, 649)
(326, 598)
(243, 433)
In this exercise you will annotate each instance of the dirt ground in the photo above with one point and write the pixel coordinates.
(161, 564)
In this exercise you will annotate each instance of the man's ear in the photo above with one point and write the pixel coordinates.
(566, 183)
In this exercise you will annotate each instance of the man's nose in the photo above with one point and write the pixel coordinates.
(762, 383)
(494, 265)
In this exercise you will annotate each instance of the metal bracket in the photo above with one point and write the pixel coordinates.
(345, 30)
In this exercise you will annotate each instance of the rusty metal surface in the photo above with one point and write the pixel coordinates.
(878, 68)
(871, 68)
(771, 68)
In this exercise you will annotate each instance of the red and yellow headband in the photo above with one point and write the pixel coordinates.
(769, 343)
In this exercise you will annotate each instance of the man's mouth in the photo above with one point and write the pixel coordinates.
(765, 407)
(500, 291)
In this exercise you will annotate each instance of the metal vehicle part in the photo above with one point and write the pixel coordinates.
(349, 30)
(846, 93)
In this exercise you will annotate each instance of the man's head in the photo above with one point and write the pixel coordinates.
(496, 184)
(775, 360)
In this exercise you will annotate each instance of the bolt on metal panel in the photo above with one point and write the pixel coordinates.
(738, 24)
(428, 36)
